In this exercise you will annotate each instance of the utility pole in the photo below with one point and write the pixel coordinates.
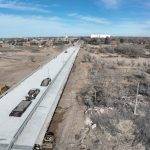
(95, 95)
(137, 93)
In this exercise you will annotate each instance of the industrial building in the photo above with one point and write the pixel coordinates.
(100, 35)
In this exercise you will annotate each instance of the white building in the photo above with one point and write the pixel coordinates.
(100, 35)
(66, 36)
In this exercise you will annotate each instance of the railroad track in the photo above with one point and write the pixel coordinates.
(9, 135)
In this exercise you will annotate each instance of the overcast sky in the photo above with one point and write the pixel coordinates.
(24, 18)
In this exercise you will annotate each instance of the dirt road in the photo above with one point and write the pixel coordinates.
(69, 116)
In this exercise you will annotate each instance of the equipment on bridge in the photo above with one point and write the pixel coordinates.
(32, 94)
(49, 141)
(20, 108)
(3, 89)
(36, 147)
(46, 82)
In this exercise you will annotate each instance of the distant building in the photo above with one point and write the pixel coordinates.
(99, 35)
(34, 42)
(1, 42)
(66, 36)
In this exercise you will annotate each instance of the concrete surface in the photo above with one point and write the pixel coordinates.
(9, 126)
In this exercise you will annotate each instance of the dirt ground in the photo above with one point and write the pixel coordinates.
(17, 63)
(69, 116)
(96, 111)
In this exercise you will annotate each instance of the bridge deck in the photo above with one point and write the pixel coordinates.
(9, 126)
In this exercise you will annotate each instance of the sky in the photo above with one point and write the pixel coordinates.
(28, 18)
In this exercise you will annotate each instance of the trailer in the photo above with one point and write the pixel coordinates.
(20, 108)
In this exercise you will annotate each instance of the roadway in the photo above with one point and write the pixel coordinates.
(23, 132)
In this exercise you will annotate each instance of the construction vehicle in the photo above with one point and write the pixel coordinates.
(36, 147)
(3, 89)
(49, 141)
(32, 94)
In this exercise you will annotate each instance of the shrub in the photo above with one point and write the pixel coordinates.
(94, 41)
(147, 46)
(148, 71)
(121, 63)
(107, 40)
(108, 49)
(129, 50)
(121, 40)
